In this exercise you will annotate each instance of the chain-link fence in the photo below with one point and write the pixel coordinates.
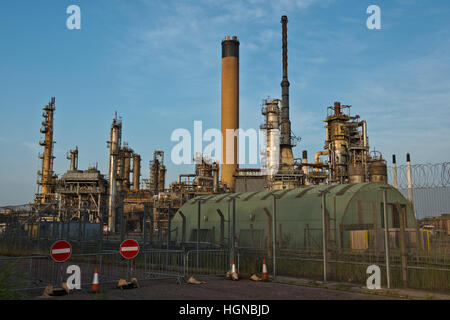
(327, 232)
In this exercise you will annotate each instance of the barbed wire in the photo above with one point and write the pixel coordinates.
(427, 175)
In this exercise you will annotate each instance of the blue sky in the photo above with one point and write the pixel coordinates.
(158, 64)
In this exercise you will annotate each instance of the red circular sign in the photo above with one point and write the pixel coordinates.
(129, 249)
(61, 251)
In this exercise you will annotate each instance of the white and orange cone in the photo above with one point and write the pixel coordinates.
(95, 284)
(234, 274)
(265, 274)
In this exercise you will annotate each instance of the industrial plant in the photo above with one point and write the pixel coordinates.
(325, 214)
(121, 202)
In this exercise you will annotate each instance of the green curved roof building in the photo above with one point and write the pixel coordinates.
(354, 217)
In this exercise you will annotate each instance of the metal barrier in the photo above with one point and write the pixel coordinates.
(209, 262)
(162, 264)
(36, 272)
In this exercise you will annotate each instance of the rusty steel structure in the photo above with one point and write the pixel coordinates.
(136, 185)
(347, 152)
(72, 155)
(157, 172)
(47, 178)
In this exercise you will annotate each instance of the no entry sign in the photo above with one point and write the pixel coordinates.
(129, 249)
(61, 251)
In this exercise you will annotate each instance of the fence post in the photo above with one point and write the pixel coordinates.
(144, 227)
(168, 226)
(386, 238)
(233, 229)
(274, 235)
(324, 235)
(401, 213)
(198, 230)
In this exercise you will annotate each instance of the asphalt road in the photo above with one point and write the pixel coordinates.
(218, 289)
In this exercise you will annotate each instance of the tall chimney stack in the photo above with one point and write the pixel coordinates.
(286, 155)
(285, 121)
(230, 110)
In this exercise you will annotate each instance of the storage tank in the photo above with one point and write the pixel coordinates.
(356, 173)
(378, 171)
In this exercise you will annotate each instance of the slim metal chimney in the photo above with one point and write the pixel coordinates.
(285, 121)
(409, 178)
(394, 172)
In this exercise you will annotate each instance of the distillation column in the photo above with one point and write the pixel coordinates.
(114, 147)
(47, 181)
(271, 111)
(136, 172)
(230, 110)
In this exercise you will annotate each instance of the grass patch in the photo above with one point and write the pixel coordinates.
(9, 281)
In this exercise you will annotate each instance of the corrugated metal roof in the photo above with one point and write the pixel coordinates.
(357, 204)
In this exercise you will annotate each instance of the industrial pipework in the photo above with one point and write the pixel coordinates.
(230, 110)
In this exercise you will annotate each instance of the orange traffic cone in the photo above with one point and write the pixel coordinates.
(95, 285)
(234, 274)
(265, 274)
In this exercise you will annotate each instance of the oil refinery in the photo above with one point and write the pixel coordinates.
(334, 214)
(119, 201)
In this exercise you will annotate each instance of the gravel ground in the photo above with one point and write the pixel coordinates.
(217, 289)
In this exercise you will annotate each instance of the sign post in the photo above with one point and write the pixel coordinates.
(129, 249)
(60, 252)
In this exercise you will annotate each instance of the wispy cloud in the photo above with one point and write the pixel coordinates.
(186, 34)
(32, 146)
(407, 103)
